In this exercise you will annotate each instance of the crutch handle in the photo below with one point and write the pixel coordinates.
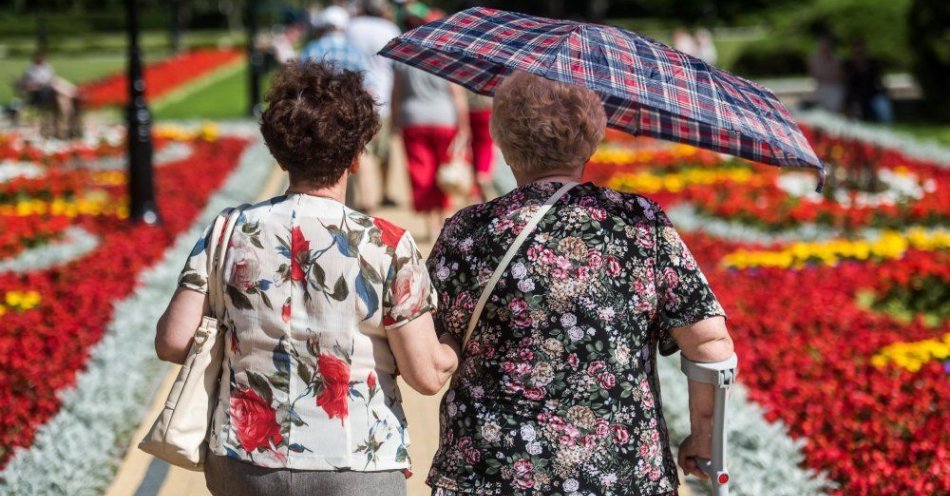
(721, 375)
(718, 478)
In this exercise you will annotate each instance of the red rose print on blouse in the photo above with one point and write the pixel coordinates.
(391, 234)
(334, 399)
(254, 420)
(299, 253)
(285, 311)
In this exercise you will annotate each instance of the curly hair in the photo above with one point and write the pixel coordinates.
(541, 124)
(318, 120)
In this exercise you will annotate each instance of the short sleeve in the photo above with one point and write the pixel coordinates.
(449, 266)
(408, 292)
(683, 293)
(195, 273)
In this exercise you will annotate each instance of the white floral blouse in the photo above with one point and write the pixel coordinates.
(312, 288)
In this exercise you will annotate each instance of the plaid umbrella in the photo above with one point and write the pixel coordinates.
(647, 87)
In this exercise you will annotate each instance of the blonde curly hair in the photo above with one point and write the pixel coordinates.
(541, 124)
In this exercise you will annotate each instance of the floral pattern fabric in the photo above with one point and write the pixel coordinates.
(557, 391)
(308, 382)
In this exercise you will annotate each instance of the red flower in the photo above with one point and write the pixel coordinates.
(285, 311)
(391, 233)
(334, 399)
(299, 254)
(371, 380)
(254, 420)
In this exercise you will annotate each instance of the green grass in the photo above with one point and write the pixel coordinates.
(224, 98)
(76, 69)
(939, 133)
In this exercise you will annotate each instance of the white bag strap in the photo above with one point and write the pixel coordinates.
(509, 255)
(221, 236)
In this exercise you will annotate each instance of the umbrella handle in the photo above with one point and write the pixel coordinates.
(722, 375)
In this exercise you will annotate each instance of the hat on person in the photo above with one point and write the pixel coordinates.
(333, 16)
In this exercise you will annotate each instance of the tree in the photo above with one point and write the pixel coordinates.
(929, 34)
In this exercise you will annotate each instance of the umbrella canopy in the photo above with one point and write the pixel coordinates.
(647, 87)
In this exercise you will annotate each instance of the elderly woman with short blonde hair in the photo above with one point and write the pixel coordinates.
(557, 391)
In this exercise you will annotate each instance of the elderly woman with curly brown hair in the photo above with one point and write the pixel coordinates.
(557, 391)
(323, 305)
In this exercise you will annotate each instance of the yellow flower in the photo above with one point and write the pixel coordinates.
(914, 355)
(890, 245)
(12, 298)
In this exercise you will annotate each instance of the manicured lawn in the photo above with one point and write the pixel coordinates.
(224, 98)
(939, 133)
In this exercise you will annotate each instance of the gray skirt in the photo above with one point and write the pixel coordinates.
(229, 477)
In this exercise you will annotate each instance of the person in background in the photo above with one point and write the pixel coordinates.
(282, 44)
(865, 94)
(706, 47)
(331, 45)
(825, 68)
(684, 42)
(45, 89)
(369, 32)
(483, 148)
(429, 113)
(324, 304)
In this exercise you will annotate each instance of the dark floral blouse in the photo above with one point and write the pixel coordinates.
(557, 392)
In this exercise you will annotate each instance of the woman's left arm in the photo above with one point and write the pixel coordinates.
(176, 327)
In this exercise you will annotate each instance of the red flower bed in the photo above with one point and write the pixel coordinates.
(19, 234)
(160, 77)
(42, 349)
(14, 147)
(806, 343)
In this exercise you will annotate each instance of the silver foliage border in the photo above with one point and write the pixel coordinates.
(79, 450)
(76, 243)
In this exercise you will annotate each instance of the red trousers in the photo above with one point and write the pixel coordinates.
(483, 152)
(426, 148)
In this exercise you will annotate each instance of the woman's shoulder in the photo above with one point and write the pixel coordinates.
(631, 207)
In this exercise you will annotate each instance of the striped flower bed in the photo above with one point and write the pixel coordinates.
(45, 345)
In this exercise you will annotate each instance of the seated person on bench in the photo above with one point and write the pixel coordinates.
(44, 89)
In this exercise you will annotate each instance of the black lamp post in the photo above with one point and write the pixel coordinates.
(141, 184)
(175, 8)
(255, 61)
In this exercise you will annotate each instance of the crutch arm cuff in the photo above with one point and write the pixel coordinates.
(721, 374)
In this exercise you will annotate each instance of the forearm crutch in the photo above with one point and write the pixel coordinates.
(721, 375)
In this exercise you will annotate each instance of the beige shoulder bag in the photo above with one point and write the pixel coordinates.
(179, 435)
(509, 255)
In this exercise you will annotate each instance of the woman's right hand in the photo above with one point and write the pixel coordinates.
(696, 445)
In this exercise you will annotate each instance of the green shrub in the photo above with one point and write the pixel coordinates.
(929, 34)
(881, 23)
(773, 57)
